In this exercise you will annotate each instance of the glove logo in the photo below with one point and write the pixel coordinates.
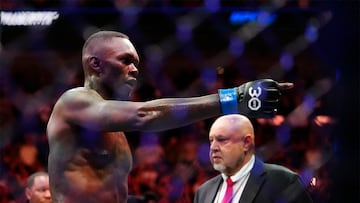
(254, 103)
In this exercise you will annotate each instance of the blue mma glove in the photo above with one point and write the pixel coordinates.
(256, 99)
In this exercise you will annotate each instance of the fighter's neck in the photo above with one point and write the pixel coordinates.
(90, 83)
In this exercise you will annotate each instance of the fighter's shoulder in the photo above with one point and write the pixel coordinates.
(79, 93)
(77, 96)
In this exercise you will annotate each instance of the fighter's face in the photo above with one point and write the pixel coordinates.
(118, 63)
(227, 153)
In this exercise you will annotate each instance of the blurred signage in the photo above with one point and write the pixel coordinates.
(28, 18)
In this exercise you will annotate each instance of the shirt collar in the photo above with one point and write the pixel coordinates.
(243, 171)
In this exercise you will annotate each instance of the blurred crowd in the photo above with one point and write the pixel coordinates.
(16, 4)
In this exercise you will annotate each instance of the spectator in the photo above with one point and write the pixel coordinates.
(38, 188)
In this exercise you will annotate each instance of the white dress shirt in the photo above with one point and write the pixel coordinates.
(239, 179)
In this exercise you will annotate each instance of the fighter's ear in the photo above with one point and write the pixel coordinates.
(94, 63)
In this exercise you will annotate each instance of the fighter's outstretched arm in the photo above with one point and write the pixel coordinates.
(86, 108)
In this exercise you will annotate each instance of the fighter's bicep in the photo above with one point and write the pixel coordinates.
(118, 115)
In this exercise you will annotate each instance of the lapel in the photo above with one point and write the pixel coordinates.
(213, 189)
(257, 177)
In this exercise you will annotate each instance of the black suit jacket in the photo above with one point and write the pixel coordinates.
(268, 183)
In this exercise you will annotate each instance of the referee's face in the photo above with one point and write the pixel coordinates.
(227, 147)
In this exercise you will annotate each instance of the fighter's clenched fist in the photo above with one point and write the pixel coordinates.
(257, 98)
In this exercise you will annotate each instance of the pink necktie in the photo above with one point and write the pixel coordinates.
(229, 191)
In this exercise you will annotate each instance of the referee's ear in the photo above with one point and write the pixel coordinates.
(248, 143)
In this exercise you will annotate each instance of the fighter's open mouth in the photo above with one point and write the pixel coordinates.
(131, 82)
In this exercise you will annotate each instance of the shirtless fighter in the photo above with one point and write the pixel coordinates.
(90, 159)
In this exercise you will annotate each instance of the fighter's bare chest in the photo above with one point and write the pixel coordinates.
(110, 150)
